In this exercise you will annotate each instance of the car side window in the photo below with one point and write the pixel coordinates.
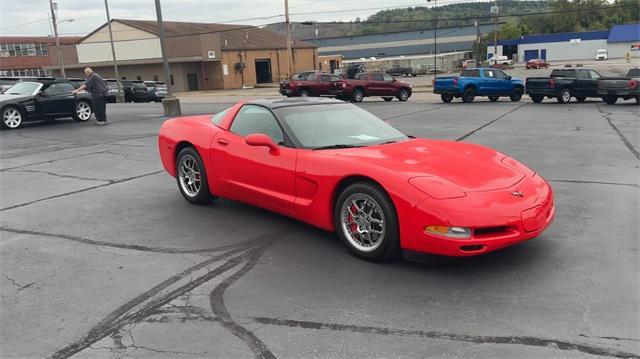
(257, 119)
(58, 89)
(311, 77)
(594, 75)
(499, 74)
(376, 76)
(583, 75)
(489, 74)
(387, 77)
(325, 78)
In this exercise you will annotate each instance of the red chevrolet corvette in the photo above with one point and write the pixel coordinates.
(336, 166)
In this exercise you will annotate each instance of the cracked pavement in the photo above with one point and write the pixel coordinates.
(101, 257)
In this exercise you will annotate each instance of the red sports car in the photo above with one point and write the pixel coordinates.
(336, 166)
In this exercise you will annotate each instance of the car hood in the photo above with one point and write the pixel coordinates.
(13, 98)
(469, 167)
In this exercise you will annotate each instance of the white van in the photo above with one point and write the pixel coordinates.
(602, 55)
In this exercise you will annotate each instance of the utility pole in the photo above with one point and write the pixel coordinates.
(435, 41)
(171, 105)
(495, 11)
(477, 57)
(55, 33)
(289, 60)
(120, 95)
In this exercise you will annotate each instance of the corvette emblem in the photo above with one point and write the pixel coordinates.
(517, 193)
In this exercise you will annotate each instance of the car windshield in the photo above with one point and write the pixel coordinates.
(336, 126)
(24, 88)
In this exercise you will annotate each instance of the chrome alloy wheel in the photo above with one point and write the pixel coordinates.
(83, 111)
(363, 222)
(566, 96)
(189, 174)
(12, 118)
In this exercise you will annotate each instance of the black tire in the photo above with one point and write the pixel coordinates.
(387, 99)
(581, 99)
(357, 95)
(468, 95)
(610, 100)
(403, 95)
(493, 98)
(564, 96)
(304, 93)
(637, 100)
(8, 119)
(389, 245)
(194, 194)
(537, 98)
(516, 94)
(446, 97)
(86, 113)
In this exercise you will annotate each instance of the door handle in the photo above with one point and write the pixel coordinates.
(223, 141)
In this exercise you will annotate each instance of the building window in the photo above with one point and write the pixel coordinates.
(34, 72)
(33, 49)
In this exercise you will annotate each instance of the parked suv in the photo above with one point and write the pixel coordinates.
(373, 84)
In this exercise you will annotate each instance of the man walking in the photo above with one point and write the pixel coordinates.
(98, 89)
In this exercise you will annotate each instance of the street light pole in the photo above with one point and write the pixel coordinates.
(171, 105)
(495, 31)
(435, 41)
(287, 23)
(120, 95)
(55, 33)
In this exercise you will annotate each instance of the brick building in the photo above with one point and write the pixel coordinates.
(202, 56)
(29, 55)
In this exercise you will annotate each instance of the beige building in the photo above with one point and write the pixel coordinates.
(201, 56)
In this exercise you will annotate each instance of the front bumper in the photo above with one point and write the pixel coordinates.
(497, 218)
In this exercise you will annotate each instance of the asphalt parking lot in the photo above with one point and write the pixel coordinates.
(101, 257)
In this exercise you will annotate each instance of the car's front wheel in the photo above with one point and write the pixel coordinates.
(11, 117)
(83, 111)
(192, 177)
(403, 95)
(367, 223)
(516, 94)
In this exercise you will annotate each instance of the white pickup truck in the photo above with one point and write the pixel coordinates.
(501, 60)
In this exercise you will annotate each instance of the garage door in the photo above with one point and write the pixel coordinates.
(530, 55)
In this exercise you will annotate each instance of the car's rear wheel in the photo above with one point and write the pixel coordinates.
(493, 98)
(387, 99)
(357, 95)
(83, 111)
(537, 98)
(516, 94)
(11, 117)
(469, 95)
(610, 100)
(367, 223)
(192, 177)
(403, 95)
(564, 96)
(304, 93)
(446, 97)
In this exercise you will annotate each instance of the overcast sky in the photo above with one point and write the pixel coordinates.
(29, 17)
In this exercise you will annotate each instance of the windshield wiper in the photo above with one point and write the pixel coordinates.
(342, 145)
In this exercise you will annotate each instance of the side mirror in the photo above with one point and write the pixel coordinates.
(260, 139)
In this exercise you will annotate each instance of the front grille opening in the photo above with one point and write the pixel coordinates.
(490, 231)
(473, 248)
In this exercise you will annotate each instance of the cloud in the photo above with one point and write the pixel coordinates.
(29, 17)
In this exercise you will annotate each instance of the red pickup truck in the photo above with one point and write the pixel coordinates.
(310, 83)
(365, 84)
(373, 84)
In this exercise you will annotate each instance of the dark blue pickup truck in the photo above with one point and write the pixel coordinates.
(471, 83)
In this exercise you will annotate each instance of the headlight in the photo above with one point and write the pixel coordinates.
(451, 232)
(437, 188)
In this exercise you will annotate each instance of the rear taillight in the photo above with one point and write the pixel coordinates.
(632, 84)
(455, 82)
(551, 83)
